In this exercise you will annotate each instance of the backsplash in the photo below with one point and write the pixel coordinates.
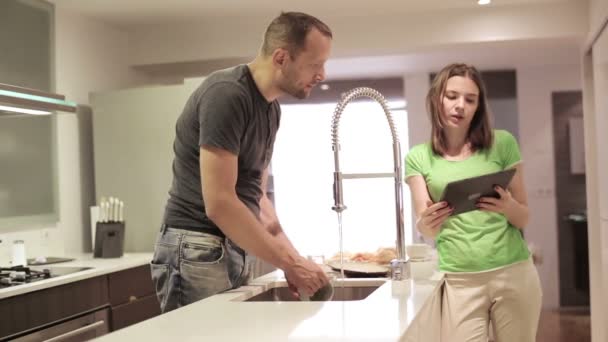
(39, 242)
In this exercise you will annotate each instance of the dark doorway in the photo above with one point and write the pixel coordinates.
(571, 198)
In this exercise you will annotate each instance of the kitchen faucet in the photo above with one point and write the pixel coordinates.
(399, 266)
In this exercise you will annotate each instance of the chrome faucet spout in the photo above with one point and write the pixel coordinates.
(396, 174)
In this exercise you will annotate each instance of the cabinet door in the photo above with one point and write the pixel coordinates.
(132, 296)
(78, 329)
(36, 310)
(134, 312)
(129, 285)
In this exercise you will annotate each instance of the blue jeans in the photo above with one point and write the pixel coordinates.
(188, 266)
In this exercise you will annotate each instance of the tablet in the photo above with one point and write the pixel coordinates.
(462, 195)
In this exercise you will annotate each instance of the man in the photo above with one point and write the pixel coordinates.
(218, 212)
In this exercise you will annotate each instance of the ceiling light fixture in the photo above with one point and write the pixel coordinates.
(23, 110)
(483, 2)
(31, 101)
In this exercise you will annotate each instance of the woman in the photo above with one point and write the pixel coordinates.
(489, 276)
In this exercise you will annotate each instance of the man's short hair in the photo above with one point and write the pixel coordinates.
(289, 31)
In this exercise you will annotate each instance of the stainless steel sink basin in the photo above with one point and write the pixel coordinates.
(346, 293)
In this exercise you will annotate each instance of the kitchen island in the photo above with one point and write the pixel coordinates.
(395, 311)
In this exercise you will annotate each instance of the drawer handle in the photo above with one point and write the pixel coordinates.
(132, 298)
(76, 332)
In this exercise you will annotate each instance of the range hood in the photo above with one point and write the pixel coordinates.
(14, 99)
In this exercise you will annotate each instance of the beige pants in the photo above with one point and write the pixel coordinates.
(510, 298)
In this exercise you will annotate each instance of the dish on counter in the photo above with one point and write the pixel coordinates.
(357, 269)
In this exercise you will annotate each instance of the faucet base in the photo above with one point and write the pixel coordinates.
(400, 269)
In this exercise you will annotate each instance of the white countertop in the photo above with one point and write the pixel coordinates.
(385, 315)
(98, 267)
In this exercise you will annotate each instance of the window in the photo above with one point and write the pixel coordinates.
(303, 168)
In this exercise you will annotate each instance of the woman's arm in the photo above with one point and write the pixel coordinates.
(429, 216)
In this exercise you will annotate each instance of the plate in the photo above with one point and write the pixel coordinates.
(360, 269)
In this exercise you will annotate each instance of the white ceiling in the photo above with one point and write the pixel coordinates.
(486, 56)
(125, 13)
(132, 13)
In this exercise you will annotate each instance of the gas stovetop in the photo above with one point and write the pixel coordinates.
(18, 275)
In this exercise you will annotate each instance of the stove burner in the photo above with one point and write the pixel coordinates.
(18, 275)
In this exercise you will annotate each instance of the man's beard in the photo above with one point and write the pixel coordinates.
(289, 86)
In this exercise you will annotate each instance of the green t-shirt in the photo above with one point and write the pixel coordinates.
(476, 240)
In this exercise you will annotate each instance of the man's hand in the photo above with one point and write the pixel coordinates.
(304, 275)
(292, 288)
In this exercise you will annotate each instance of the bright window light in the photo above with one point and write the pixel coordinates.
(483, 2)
(303, 167)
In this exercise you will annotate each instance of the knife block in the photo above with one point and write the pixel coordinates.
(109, 239)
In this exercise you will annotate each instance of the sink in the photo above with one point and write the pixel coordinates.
(350, 292)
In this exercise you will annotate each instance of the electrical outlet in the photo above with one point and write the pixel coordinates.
(45, 237)
(544, 192)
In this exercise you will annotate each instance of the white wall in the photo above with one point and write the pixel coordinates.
(88, 57)
(598, 14)
(418, 124)
(593, 220)
(386, 34)
(595, 66)
(416, 86)
(534, 87)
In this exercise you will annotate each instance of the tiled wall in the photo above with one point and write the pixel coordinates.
(570, 195)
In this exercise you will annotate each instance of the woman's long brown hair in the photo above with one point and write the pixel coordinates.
(480, 131)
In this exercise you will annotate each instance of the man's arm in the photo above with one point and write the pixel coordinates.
(219, 171)
(268, 214)
(270, 220)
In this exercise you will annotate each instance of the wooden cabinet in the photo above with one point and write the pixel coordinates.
(132, 297)
(123, 298)
(78, 329)
(134, 312)
(37, 310)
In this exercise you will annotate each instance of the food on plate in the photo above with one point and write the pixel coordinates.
(385, 255)
(382, 255)
(363, 257)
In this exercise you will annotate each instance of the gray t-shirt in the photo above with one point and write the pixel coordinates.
(229, 112)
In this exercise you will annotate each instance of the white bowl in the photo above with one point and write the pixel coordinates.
(422, 269)
(418, 251)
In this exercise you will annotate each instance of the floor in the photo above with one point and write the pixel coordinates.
(565, 325)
